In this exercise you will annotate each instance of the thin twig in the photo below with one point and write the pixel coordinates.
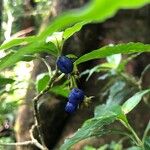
(36, 111)
(26, 143)
(36, 143)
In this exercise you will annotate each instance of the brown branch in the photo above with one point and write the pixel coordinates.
(36, 111)
(36, 143)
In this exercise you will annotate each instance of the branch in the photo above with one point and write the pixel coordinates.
(26, 143)
(18, 143)
(36, 111)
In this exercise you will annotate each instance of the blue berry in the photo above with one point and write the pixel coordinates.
(76, 96)
(70, 108)
(65, 64)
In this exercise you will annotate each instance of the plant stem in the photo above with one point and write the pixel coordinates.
(36, 111)
(136, 139)
(135, 136)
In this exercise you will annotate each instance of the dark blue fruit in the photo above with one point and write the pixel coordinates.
(70, 108)
(65, 64)
(76, 96)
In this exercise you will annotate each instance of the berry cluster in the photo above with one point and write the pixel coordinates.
(76, 96)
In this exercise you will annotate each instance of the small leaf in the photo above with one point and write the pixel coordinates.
(114, 59)
(42, 81)
(110, 50)
(133, 101)
(56, 38)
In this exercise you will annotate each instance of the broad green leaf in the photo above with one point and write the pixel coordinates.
(92, 127)
(105, 109)
(95, 11)
(116, 49)
(133, 101)
(17, 41)
(119, 92)
(42, 81)
(38, 47)
(60, 90)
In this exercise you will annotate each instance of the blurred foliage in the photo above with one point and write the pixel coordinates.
(14, 81)
(16, 57)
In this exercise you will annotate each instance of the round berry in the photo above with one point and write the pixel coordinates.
(70, 108)
(76, 96)
(65, 64)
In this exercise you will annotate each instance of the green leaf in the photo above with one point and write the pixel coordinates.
(56, 38)
(134, 148)
(116, 49)
(114, 59)
(115, 146)
(14, 57)
(17, 41)
(105, 109)
(92, 127)
(95, 11)
(89, 148)
(133, 101)
(119, 91)
(147, 143)
(60, 90)
(42, 81)
(4, 81)
(104, 147)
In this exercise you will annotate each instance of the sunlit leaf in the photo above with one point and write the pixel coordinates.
(38, 47)
(17, 41)
(114, 59)
(116, 49)
(133, 101)
(42, 81)
(60, 90)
